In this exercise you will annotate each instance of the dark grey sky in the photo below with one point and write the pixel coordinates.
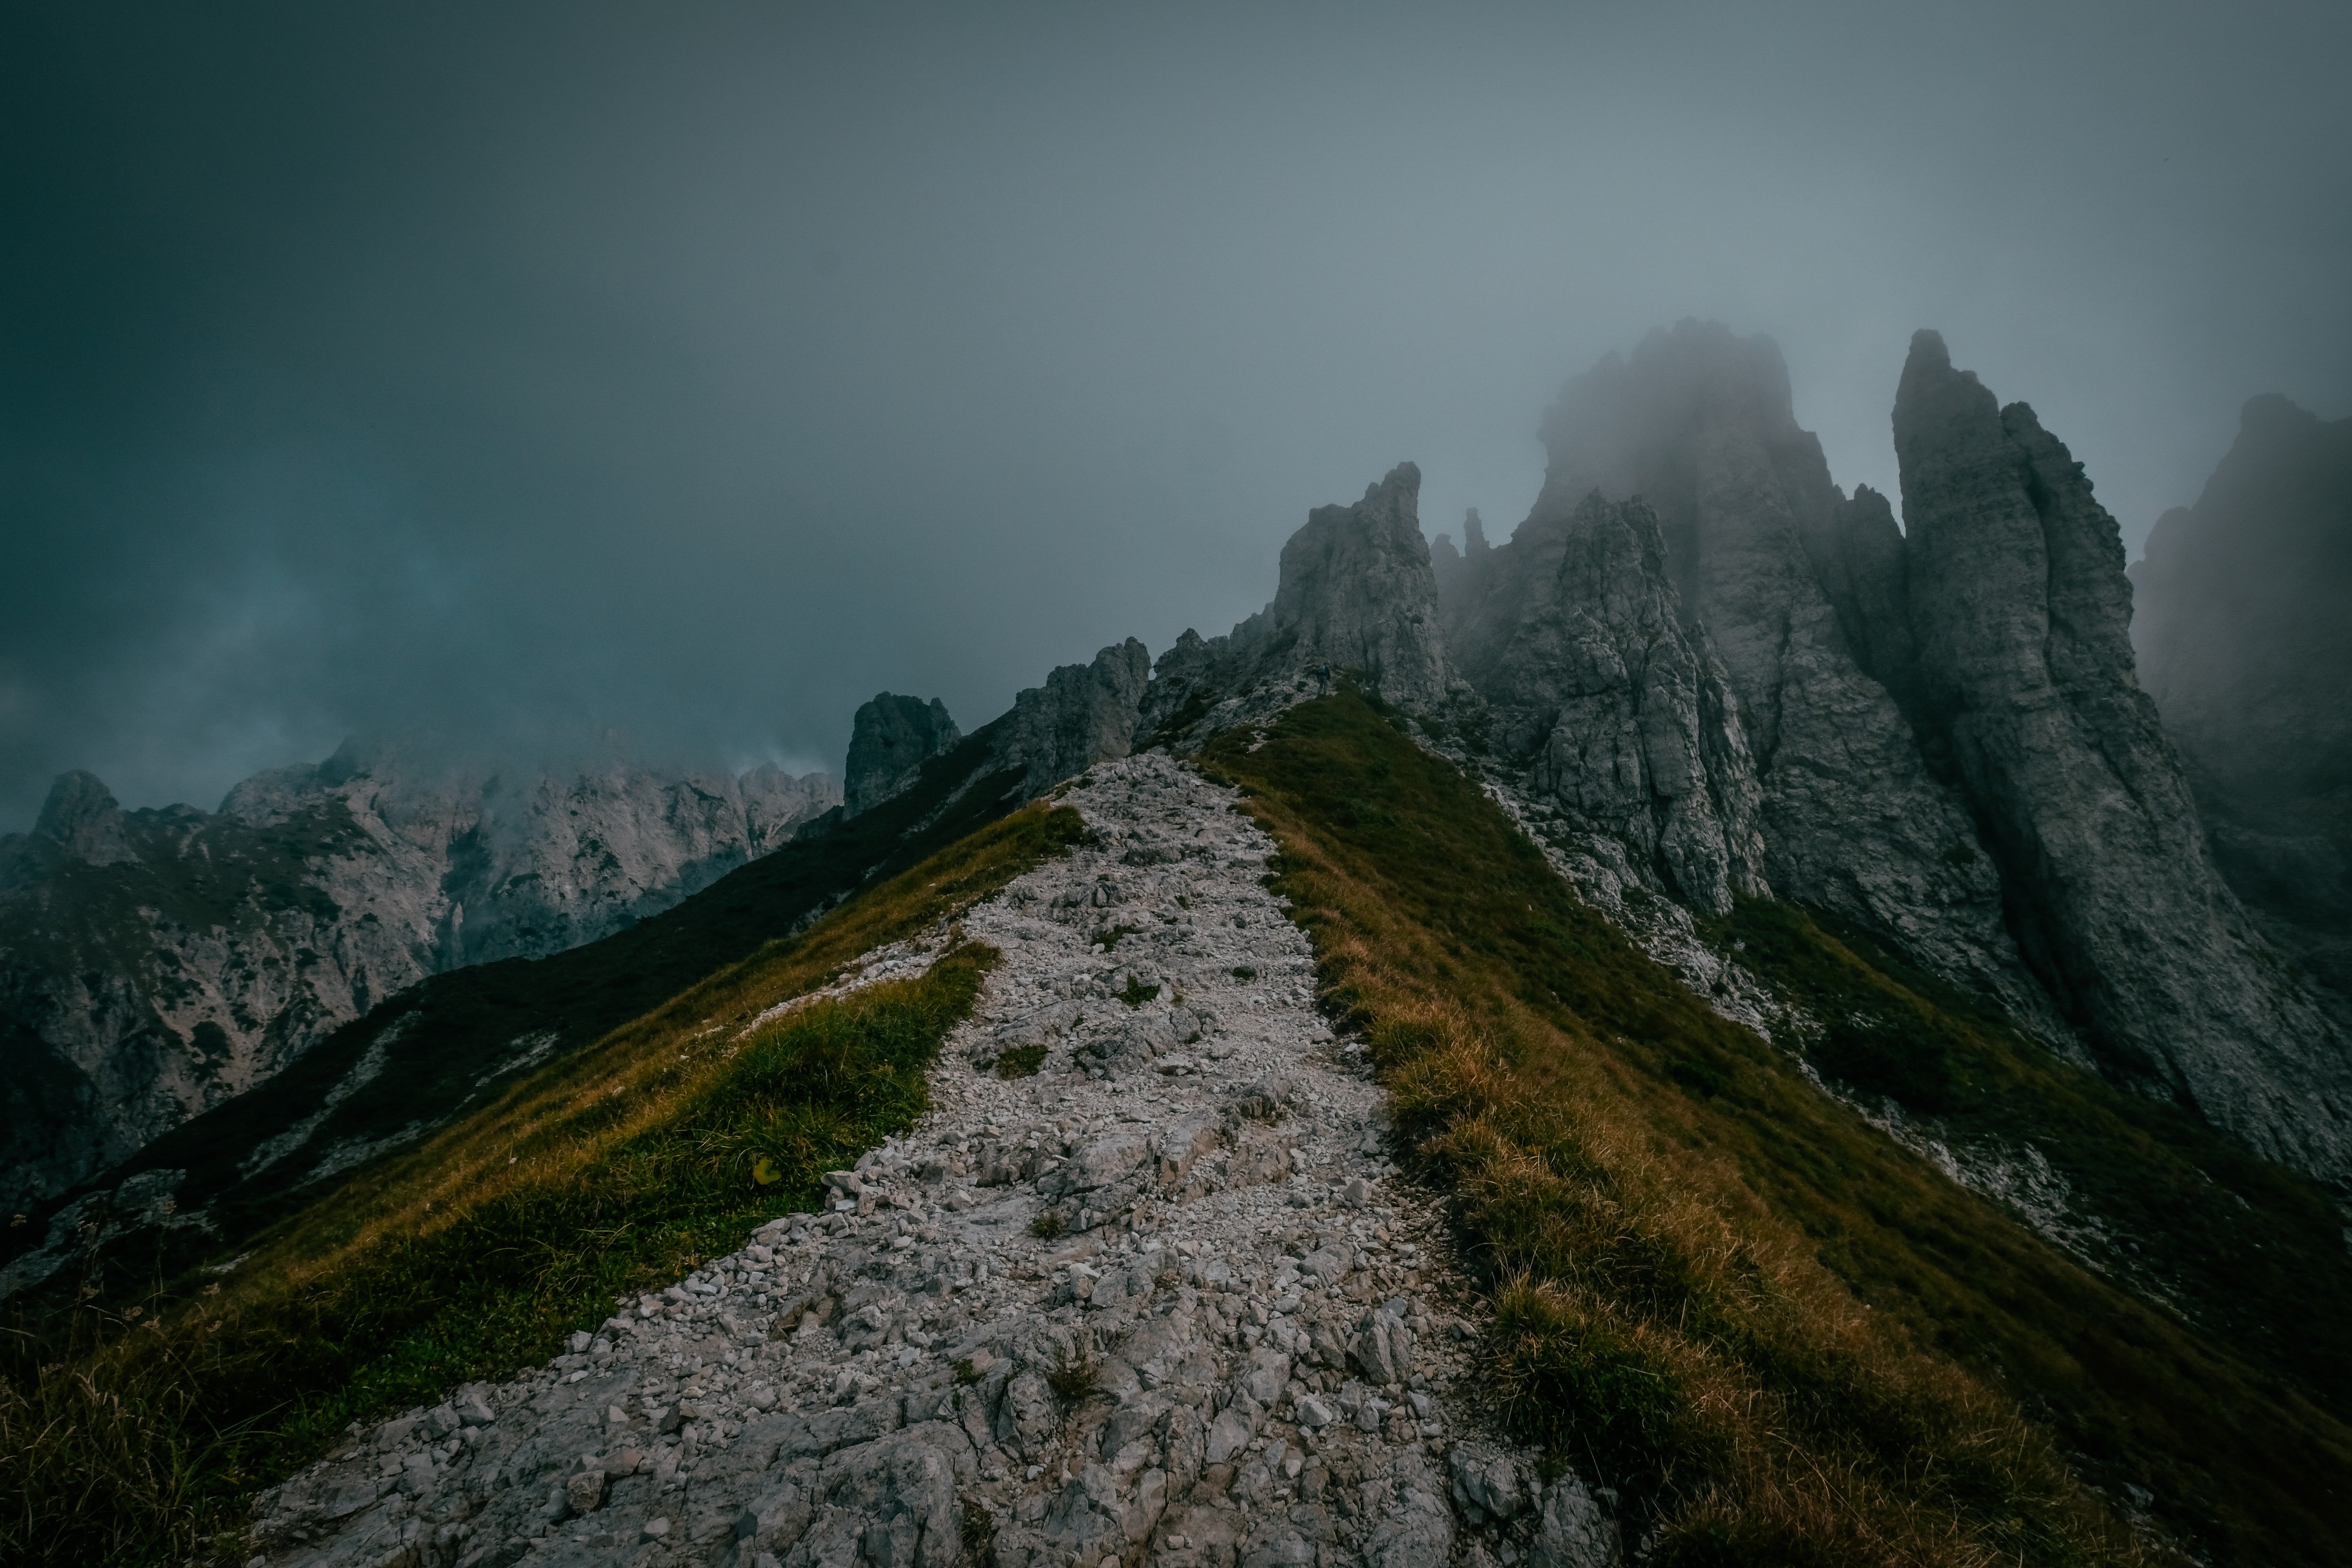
(519, 372)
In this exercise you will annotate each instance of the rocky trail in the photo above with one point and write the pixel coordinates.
(1163, 1300)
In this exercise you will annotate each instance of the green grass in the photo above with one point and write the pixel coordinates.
(1780, 1335)
(2254, 1255)
(138, 1437)
(1021, 1061)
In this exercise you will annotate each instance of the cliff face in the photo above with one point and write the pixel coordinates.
(1614, 710)
(2244, 643)
(2021, 613)
(1357, 599)
(154, 963)
(889, 741)
(1699, 424)
(1084, 714)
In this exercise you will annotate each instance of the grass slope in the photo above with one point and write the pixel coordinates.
(138, 1437)
(444, 1041)
(1782, 1337)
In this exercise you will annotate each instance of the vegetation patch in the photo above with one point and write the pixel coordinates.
(1021, 1061)
(137, 1436)
(1780, 1334)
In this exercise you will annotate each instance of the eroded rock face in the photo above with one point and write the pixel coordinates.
(2242, 636)
(1358, 600)
(155, 963)
(2021, 613)
(1084, 714)
(1699, 424)
(889, 741)
(1358, 594)
(1615, 710)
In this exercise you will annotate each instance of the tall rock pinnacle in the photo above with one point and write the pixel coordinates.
(2021, 613)
(1699, 424)
(1358, 594)
(1619, 713)
(1358, 600)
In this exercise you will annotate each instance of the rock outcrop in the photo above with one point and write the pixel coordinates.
(889, 741)
(2020, 612)
(1698, 424)
(1084, 714)
(1357, 594)
(2243, 640)
(154, 963)
(1357, 601)
(1613, 708)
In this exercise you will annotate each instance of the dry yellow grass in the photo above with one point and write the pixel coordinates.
(1661, 1322)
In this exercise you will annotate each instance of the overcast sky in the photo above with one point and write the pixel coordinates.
(511, 374)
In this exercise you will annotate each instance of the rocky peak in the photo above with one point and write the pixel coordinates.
(2241, 631)
(2021, 613)
(889, 741)
(82, 816)
(1698, 424)
(1084, 714)
(1357, 595)
(1618, 712)
(1357, 598)
(2243, 643)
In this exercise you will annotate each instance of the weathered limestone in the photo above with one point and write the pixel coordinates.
(154, 963)
(1357, 600)
(1699, 424)
(2243, 641)
(1084, 714)
(2020, 612)
(1617, 712)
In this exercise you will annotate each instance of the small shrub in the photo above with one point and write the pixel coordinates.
(1021, 1061)
(1074, 1378)
(1049, 1226)
(1242, 972)
(1137, 993)
(979, 1533)
(1110, 938)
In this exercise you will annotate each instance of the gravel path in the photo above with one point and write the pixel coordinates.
(1163, 1300)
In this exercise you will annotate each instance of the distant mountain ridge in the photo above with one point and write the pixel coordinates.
(154, 963)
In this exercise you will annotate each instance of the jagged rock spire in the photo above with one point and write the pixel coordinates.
(1699, 424)
(1621, 713)
(1357, 595)
(2020, 612)
(1358, 600)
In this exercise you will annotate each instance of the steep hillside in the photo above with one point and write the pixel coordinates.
(156, 963)
(1717, 1285)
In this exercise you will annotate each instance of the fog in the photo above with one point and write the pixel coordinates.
(674, 378)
